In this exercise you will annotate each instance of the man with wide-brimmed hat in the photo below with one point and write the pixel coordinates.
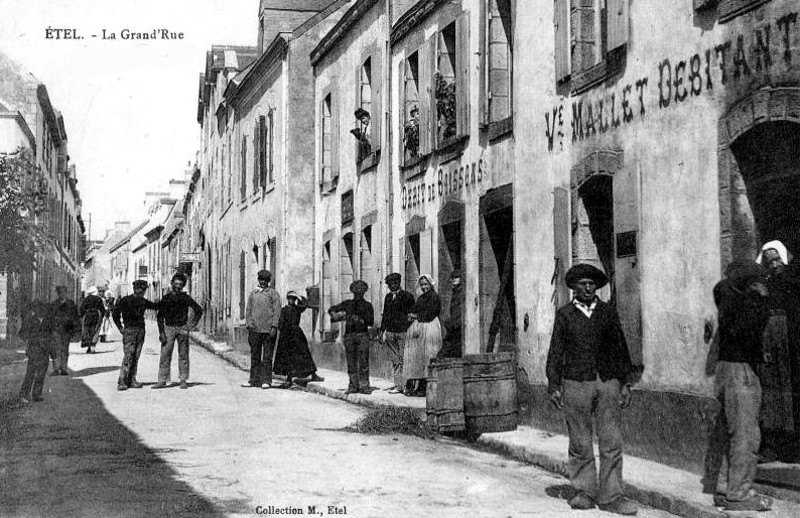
(130, 312)
(65, 318)
(359, 317)
(589, 374)
(261, 318)
(394, 324)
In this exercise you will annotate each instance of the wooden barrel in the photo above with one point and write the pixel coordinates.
(445, 395)
(490, 392)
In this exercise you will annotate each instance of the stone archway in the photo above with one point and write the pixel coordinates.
(755, 155)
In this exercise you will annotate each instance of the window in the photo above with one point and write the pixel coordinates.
(263, 148)
(230, 168)
(445, 84)
(326, 140)
(365, 86)
(409, 82)
(363, 114)
(588, 32)
(271, 148)
(242, 284)
(497, 66)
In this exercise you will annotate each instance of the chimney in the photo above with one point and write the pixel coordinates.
(153, 198)
(177, 189)
(122, 227)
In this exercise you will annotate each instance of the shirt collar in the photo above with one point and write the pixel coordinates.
(586, 309)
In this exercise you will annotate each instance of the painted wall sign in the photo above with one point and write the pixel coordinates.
(676, 82)
(447, 181)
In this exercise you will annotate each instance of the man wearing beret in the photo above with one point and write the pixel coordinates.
(359, 317)
(262, 316)
(743, 311)
(130, 312)
(589, 374)
(394, 324)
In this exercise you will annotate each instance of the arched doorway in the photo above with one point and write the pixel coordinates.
(759, 193)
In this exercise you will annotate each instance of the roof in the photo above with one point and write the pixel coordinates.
(128, 236)
(294, 5)
(355, 13)
(276, 51)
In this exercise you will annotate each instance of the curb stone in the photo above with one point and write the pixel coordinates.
(649, 497)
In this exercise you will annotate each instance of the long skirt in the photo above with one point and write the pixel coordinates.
(106, 327)
(423, 341)
(775, 375)
(92, 321)
(293, 357)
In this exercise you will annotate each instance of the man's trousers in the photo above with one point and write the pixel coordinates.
(262, 349)
(396, 343)
(356, 346)
(38, 360)
(132, 342)
(180, 335)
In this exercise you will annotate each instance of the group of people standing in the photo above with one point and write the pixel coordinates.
(410, 329)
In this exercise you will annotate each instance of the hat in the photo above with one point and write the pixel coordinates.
(92, 290)
(140, 283)
(455, 274)
(264, 275)
(361, 112)
(779, 247)
(179, 277)
(359, 286)
(585, 271)
(292, 295)
(393, 277)
(302, 302)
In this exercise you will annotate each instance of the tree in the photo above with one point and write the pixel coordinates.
(23, 196)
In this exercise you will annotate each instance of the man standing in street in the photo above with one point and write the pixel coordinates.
(743, 310)
(394, 323)
(452, 347)
(37, 330)
(65, 316)
(360, 317)
(262, 315)
(173, 318)
(130, 310)
(589, 374)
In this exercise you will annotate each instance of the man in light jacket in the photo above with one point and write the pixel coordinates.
(263, 312)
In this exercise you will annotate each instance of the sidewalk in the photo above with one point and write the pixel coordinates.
(650, 483)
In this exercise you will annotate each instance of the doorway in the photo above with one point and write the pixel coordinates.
(496, 248)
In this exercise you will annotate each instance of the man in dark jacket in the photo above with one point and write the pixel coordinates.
(360, 317)
(36, 329)
(589, 373)
(173, 325)
(394, 324)
(452, 347)
(65, 316)
(130, 310)
(743, 311)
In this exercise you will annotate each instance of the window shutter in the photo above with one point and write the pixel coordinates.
(335, 138)
(426, 253)
(256, 154)
(463, 55)
(377, 95)
(403, 105)
(617, 21)
(486, 10)
(562, 50)
(242, 284)
(244, 169)
(262, 151)
(562, 237)
(427, 102)
(499, 67)
(271, 154)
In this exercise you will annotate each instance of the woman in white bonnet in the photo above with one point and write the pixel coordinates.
(92, 312)
(780, 372)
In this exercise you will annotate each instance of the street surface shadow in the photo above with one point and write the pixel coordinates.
(92, 371)
(68, 456)
(560, 491)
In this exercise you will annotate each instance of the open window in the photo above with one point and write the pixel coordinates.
(409, 77)
(497, 68)
(329, 155)
(450, 89)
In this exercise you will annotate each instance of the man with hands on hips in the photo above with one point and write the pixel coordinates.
(173, 325)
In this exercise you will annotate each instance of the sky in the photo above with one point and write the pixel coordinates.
(129, 106)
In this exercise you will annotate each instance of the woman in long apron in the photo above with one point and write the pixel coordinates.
(91, 313)
(423, 338)
(292, 355)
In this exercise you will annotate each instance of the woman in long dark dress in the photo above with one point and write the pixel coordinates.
(423, 338)
(92, 313)
(292, 357)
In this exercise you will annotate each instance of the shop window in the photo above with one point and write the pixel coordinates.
(730, 9)
(498, 66)
(589, 37)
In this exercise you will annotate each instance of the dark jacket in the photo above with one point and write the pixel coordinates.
(92, 302)
(360, 315)
(396, 308)
(37, 321)
(427, 307)
(582, 348)
(65, 316)
(742, 319)
(173, 310)
(130, 310)
(455, 318)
